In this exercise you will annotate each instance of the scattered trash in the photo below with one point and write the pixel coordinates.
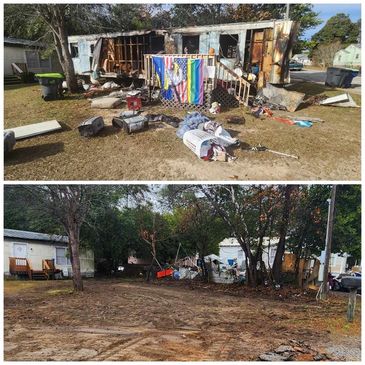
(91, 126)
(344, 100)
(134, 123)
(215, 108)
(258, 111)
(134, 103)
(173, 121)
(9, 141)
(315, 99)
(280, 96)
(297, 351)
(35, 129)
(105, 103)
(260, 148)
(110, 85)
(236, 120)
(206, 138)
(199, 142)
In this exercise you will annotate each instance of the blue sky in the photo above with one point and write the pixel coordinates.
(326, 11)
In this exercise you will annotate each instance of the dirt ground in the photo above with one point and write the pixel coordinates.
(327, 151)
(177, 321)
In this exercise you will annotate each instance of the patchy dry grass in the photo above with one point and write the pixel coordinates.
(327, 151)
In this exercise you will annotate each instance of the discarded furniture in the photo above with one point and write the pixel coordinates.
(9, 141)
(134, 124)
(352, 283)
(35, 129)
(344, 100)
(91, 126)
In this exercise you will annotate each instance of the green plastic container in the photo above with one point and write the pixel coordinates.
(51, 85)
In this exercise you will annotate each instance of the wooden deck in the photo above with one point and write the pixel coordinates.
(22, 267)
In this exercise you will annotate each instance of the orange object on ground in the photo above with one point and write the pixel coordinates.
(283, 120)
(163, 273)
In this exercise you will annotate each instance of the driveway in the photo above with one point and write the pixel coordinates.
(319, 77)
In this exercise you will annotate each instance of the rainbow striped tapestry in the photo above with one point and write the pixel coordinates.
(195, 81)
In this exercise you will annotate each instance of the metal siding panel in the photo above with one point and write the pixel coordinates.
(84, 55)
(214, 41)
(204, 43)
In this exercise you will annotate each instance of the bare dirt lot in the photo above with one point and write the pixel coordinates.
(327, 151)
(177, 321)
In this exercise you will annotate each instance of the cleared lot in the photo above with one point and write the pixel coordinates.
(327, 151)
(176, 321)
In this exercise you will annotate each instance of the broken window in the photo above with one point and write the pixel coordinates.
(190, 44)
(74, 48)
(157, 44)
(228, 45)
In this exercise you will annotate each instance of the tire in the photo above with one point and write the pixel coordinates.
(336, 286)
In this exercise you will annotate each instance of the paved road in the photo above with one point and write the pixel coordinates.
(320, 77)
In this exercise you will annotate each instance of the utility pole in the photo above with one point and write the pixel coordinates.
(328, 249)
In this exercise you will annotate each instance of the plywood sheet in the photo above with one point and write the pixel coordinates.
(35, 129)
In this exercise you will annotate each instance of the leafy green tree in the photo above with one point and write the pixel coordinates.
(338, 28)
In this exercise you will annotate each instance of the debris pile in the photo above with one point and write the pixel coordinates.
(296, 351)
(206, 138)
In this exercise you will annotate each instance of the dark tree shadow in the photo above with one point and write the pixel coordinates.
(27, 154)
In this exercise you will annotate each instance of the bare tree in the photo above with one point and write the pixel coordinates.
(325, 53)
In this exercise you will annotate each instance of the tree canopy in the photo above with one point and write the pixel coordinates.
(197, 218)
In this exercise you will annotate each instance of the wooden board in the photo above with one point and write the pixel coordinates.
(35, 129)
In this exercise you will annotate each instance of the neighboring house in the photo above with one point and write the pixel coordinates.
(37, 247)
(302, 58)
(27, 55)
(348, 57)
(230, 249)
(338, 264)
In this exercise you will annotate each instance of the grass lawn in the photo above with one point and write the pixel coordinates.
(176, 321)
(327, 151)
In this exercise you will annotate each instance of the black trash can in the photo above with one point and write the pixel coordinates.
(340, 77)
(51, 85)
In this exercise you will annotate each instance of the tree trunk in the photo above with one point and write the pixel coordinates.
(67, 65)
(276, 269)
(75, 259)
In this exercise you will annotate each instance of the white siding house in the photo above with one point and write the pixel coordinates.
(39, 246)
(348, 57)
(230, 249)
(29, 53)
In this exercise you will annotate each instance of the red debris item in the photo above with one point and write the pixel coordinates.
(164, 273)
(134, 103)
(283, 120)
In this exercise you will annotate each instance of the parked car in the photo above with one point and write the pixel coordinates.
(336, 282)
(295, 66)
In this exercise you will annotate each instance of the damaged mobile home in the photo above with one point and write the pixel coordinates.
(225, 60)
(262, 48)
